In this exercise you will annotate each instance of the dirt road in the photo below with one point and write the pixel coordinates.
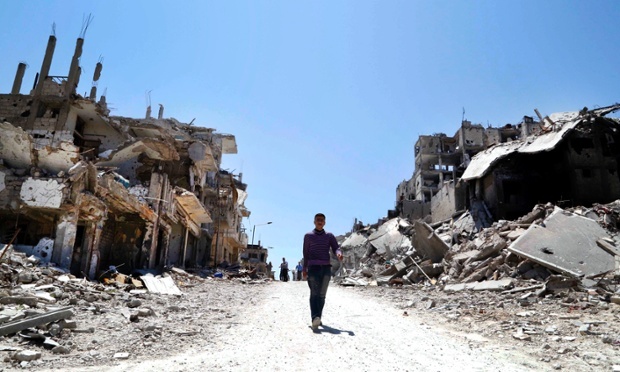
(360, 333)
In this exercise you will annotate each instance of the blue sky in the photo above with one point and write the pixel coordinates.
(327, 98)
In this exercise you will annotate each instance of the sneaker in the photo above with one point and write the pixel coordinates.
(316, 322)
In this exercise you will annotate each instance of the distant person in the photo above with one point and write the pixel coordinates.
(317, 268)
(269, 267)
(284, 270)
(299, 268)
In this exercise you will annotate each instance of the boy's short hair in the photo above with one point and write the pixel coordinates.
(319, 215)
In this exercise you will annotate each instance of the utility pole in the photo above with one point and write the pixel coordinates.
(254, 229)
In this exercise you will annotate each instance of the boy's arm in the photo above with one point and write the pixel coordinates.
(335, 248)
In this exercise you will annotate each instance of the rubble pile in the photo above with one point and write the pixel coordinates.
(555, 248)
(49, 317)
(548, 280)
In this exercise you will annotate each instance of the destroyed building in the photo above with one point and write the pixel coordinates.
(85, 190)
(254, 258)
(556, 179)
(565, 158)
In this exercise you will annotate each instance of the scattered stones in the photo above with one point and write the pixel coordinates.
(54, 329)
(134, 303)
(61, 350)
(26, 355)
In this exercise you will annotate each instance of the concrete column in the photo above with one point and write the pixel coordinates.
(47, 63)
(19, 77)
(185, 247)
(93, 93)
(163, 259)
(45, 70)
(146, 250)
(94, 257)
(158, 190)
(440, 171)
(96, 76)
(74, 70)
(66, 230)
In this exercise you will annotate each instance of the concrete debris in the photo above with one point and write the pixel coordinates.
(492, 285)
(545, 245)
(18, 325)
(26, 355)
(388, 240)
(164, 285)
(566, 243)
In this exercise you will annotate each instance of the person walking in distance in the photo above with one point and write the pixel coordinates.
(284, 270)
(299, 268)
(317, 267)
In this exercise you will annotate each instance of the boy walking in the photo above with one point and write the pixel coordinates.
(317, 267)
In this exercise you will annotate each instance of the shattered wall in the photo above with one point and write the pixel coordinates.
(415, 209)
(14, 108)
(471, 137)
(42, 193)
(406, 190)
(447, 201)
(593, 162)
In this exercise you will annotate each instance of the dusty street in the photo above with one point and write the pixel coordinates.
(266, 327)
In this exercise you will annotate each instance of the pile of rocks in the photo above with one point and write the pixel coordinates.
(49, 317)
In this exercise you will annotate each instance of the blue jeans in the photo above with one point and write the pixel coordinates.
(318, 281)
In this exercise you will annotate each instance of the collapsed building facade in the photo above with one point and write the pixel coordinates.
(85, 190)
(501, 173)
(527, 200)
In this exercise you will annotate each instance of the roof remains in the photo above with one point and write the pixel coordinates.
(482, 162)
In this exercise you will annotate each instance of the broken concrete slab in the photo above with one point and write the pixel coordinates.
(514, 234)
(489, 285)
(428, 243)
(20, 300)
(565, 243)
(490, 248)
(164, 285)
(348, 281)
(19, 325)
(464, 256)
(153, 149)
(388, 240)
(609, 247)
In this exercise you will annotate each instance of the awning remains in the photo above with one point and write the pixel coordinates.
(191, 206)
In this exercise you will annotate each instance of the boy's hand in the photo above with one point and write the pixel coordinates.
(339, 255)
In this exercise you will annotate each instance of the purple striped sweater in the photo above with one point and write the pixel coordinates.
(316, 248)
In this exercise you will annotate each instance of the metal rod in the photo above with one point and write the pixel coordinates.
(10, 243)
